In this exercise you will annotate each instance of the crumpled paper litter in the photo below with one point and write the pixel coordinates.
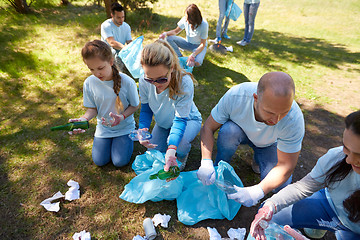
(163, 220)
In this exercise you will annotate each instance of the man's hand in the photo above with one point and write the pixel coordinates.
(206, 172)
(264, 214)
(248, 196)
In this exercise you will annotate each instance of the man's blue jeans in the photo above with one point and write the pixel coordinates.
(160, 137)
(231, 135)
(177, 42)
(314, 212)
(250, 11)
(117, 149)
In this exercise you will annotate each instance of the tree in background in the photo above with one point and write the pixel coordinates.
(128, 4)
(20, 6)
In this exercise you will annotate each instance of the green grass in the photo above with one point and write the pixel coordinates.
(41, 77)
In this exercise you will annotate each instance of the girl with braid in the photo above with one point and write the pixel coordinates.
(112, 98)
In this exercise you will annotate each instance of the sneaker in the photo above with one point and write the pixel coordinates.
(315, 233)
(242, 43)
(215, 40)
(255, 167)
(225, 36)
(183, 162)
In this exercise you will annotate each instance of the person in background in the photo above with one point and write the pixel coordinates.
(116, 33)
(250, 10)
(167, 92)
(112, 98)
(196, 35)
(222, 11)
(264, 116)
(327, 198)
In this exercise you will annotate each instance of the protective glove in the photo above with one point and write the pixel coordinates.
(206, 172)
(78, 130)
(191, 61)
(115, 119)
(163, 35)
(264, 214)
(170, 159)
(146, 143)
(294, 233)
(248, 196)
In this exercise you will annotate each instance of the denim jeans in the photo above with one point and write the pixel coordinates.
(177, 42)
(314, 212)
(250, 11)
(117, 149)
(231, 135)
(222, 12)
(160, 137)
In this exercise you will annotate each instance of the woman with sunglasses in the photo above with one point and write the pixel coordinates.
(166, 92)
(196, 34)
(327, 198)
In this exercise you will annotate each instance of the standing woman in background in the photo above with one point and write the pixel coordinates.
(196, 35)
(250, 10)
(167, 92)
(113, 98)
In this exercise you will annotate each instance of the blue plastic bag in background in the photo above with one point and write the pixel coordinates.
(182, 61)
(198, 202)
(235, 11)
(130, 55)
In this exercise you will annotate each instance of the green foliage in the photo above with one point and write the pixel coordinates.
(136, 4)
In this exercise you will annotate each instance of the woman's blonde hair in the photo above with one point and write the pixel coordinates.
(161, 53)
(101, 50)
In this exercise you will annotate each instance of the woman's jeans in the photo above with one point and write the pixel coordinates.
(117, 149)
(222, 12)
(160, 137)
(177, 42)
(314, 212)
(231, 135)
(250, 11)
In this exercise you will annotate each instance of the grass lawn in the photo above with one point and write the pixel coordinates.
(41, 77)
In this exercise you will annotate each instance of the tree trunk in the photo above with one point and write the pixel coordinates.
(108, 7)
(65, 2)
(20, 6)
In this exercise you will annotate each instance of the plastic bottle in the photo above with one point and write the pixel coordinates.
(71, 126)
(173, 172)
(137, 135)
(149, 228)
(273, 231)
(225, 186)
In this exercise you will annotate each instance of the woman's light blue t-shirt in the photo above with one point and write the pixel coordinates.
(164, 108)
(194, 36)
(100, 95)
(237, 105)
(337, 192)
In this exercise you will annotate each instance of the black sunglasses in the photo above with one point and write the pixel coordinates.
(159, 80)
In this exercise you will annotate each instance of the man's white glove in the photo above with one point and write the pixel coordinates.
(206, 172)
(248, 196)
(170, 159)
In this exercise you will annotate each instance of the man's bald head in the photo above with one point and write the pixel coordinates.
(279, 83)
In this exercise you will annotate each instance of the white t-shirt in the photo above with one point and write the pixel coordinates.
(100, 95)
(194, 36)
(121, 34)
(237, 105)
(164, 108)
(337, 192)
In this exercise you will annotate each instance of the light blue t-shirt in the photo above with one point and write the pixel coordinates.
(337, 192)
(100, 95)
(237, 105)
(121, 34)
(194, 36)
(164, 108)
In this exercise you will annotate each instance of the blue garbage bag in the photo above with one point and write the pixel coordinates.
(234, 10)
(182, 61)
(130, 55)
(141, 188)
(198, 202)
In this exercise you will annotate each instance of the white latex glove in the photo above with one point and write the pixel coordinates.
(146, 143)
(206, 172)
(264, 214)
(191, 61)
(248, 196)
(170, 159)
(116, 119)
(78, 130)
(163, 35)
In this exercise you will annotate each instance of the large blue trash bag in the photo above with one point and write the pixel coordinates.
(235, 11)
(141, 188)
(182, 61)
(130, 55)
(198, 202)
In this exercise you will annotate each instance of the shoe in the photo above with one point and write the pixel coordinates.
(225, 36)
(183, 162)
(242, 43)
(255, 167)
(315, 233)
